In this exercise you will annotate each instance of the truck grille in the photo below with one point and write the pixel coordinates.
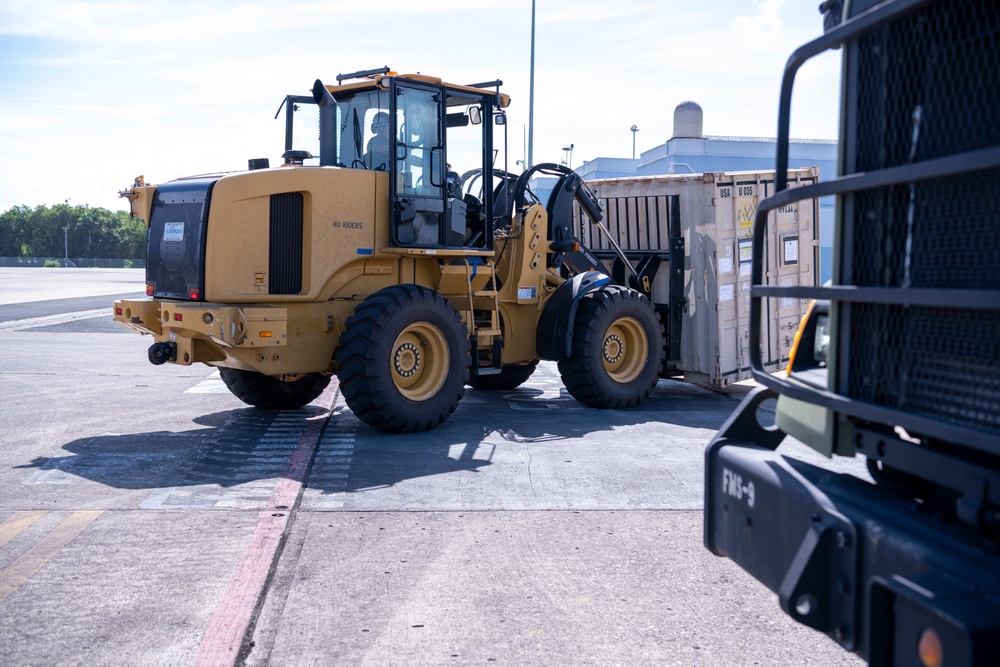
(928, 87)
(928, 361)
(285, 259)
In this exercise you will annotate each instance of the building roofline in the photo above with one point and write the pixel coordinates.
(761, 140)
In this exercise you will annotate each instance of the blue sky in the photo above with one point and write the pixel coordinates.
(95, 92)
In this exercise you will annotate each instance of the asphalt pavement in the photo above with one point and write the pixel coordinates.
(44, 284)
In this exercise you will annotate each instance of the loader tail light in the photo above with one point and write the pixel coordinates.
(118, 312)
(194, 293)
(178, 317)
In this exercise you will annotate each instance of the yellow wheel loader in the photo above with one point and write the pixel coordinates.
(366, 254)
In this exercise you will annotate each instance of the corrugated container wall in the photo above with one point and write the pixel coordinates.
(716, 220)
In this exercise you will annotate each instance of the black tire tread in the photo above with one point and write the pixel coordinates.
(361, 366)
(269, 393)
(510, 377)
(583, 373)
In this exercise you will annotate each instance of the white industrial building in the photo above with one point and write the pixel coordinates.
(690, 151)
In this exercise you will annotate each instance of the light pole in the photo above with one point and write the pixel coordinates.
(633, 129)
(568, 155)
(531, 91)
(66, 242)
(524, 147)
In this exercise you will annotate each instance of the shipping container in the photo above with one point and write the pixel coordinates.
(707, 308)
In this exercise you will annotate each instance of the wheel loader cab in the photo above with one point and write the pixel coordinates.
(433, 128)
(424, 133)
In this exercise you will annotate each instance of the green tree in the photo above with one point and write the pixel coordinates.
(46, 231)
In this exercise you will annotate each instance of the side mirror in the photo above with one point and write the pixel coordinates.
(475, 117)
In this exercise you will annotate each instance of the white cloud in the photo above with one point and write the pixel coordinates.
(94, 92)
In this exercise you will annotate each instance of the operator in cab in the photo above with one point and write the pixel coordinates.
(377, 154)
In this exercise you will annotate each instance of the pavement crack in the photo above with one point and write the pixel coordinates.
(531, 483)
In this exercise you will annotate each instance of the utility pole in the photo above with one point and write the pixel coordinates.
(531, 92)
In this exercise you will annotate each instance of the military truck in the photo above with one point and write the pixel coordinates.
(378, 261)
(898, 361)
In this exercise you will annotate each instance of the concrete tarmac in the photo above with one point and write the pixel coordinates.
(526, 530)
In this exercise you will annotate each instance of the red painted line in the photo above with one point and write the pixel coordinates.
(233, 617)
(224, 638)
(286, 493)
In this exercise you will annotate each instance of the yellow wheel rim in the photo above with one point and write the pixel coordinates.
(625, 350)
(419, 364)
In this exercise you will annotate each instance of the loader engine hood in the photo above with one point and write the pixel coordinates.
(175, 252)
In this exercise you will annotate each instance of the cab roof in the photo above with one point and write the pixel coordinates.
(380, 79)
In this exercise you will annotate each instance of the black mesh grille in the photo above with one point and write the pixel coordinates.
(943, 60)
(952, 218)
(928, 86)
(285, 263)
(927, 361)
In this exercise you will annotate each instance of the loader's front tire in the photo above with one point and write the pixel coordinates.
(403, 360)
(510, 377)
(269, 393)
(617, 349)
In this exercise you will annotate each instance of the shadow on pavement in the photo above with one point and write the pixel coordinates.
(244, 446)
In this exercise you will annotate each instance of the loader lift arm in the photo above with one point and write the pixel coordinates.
(570, 252)
(634, 269)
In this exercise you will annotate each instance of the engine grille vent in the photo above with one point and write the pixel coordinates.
(285, 259)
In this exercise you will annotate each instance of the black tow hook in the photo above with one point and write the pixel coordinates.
(161, 353)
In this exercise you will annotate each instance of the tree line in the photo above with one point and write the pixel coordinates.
(73, 231)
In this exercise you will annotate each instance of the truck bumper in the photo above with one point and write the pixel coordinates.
(246, 337)
(872, 571)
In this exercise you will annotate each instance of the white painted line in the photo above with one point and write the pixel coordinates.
(50, 320)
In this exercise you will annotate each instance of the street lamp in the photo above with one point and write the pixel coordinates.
(633, 129)
(568, 155)
(531, 92)
(66, 242)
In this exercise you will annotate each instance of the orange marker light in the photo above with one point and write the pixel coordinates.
(798, 335)
(265, 334)
(930, 650)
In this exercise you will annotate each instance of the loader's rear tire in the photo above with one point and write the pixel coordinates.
(510, 377)
(617, 349)
(403, 360)
(269, 393)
